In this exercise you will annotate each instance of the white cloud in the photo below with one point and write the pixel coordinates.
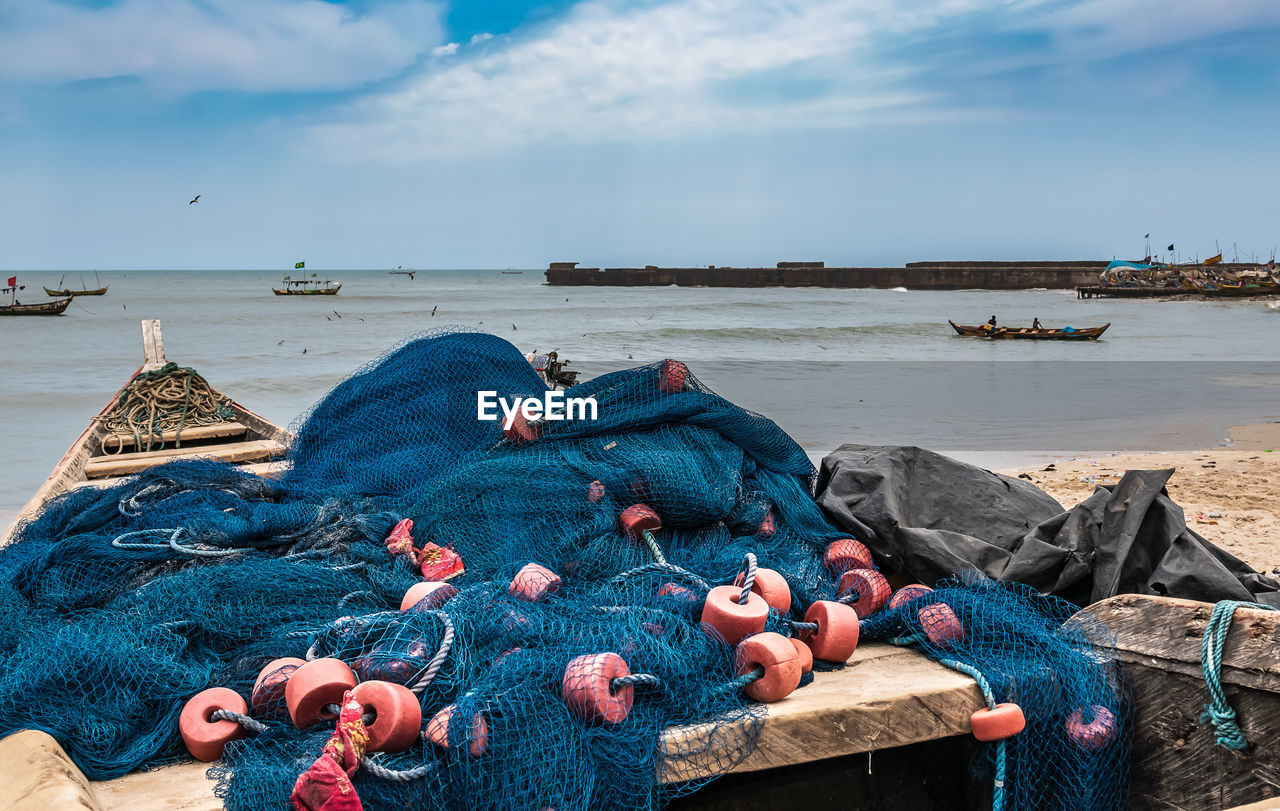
(187, 45)
(605, 72)
(445, 50)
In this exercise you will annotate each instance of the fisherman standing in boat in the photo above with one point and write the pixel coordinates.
(989, 327)
(1035, 323)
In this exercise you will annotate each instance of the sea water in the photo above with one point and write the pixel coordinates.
(830, 366)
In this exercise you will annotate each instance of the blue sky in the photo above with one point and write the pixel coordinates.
(494, 134)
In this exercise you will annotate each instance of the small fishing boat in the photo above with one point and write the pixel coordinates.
(115, 446)
(62, 292)
(307, 287)
(15, 307)
(1030, 333)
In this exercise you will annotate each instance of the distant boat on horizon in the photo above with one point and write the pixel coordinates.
(63, 292)
(307, 287)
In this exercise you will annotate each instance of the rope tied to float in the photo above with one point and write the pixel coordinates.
(748, 577)
(654, 548)
(997, 793)
(662, 566)
(634, 680)
(1218, 712)
(254, 726)
(127, 542)
(437, 661)
(376, 769)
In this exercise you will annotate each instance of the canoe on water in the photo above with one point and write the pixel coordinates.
(55, 307)
(101, 291)
(103, 455)
(1027, 333)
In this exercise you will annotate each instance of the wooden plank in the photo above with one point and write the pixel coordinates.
(112, 442)
(885, 697)
(1176, 762)
(37, 775)
(152, 345)
(185, 787)
(267, 470)
(122, 464)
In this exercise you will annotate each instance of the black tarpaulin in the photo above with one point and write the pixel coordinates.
(927, 516)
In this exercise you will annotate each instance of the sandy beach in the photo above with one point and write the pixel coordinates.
(1229, 494)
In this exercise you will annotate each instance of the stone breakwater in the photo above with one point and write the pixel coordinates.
(913, 275)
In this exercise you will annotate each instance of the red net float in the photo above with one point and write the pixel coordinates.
(313, 687)
(394, 661)
(870, 588)
(204, 737)
(503, 656)
(267, 698)
(1094, 735)
(635, 520)
(906, 594)
(731, 620)
(767, 526)
(772, 586)
(780, 661)
(437, 731)
(1005, 721)
(595, 491)
(521, 431)
(837, 636)
(672, 376)
(845, 554)
(533, 582)
(677, 592)
(940, 624)
(397, 715)
(805, 655)
(428, 595)
(587, 688)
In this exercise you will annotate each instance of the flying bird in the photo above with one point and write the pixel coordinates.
(433, 311)
(513, 327)
(335, 312)
(195, 199)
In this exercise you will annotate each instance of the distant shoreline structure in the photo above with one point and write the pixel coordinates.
(949, 275)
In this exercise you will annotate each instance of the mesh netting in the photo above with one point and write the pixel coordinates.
(118, 604)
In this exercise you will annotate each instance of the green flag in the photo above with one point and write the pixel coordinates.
(299, 265)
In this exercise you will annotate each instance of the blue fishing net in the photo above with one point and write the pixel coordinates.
(118, 604)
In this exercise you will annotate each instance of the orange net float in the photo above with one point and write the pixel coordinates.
(865, 590)
(437, 731)
(730, 619)
(428, 595)
(672, 376)
(533, 582)
(906, 594)
(770, 585)
(397, 715)
(1094, 735)
(677, 592)
(1004, 721)
(806, 655)
(940, 624)
(595, 491)
(521, 431)
(777, 657)
(767, 526)
(206, 738)
(836, 637)
(845, 554)
(267, 698)
(588, 688)
(638, 522)
(313, 687)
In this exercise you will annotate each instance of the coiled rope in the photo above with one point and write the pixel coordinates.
(1218, 712)
(166, 399)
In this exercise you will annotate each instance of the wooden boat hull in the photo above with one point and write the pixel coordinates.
(251, 441)
(1028, 334)
(101, 291)
(43, 308)
(329, 291)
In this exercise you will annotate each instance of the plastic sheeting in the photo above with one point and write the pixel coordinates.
(927, 517)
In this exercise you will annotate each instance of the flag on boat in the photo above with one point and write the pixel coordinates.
(13, 281)
(1170, 247)
(1213, 260)
(299, 265)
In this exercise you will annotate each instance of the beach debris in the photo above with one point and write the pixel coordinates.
(1050, 468)
(1025, 476)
